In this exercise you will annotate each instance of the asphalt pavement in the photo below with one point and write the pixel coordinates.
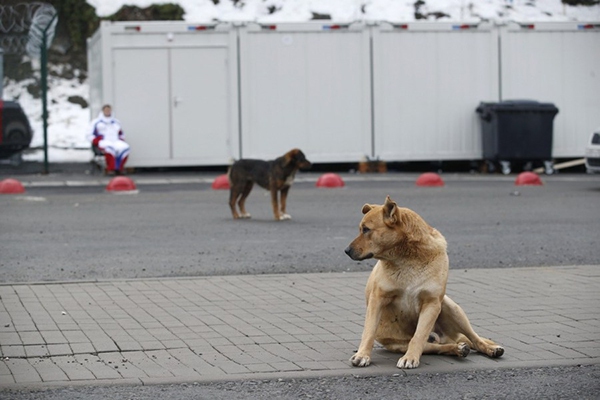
(66, 226)
(193, 324)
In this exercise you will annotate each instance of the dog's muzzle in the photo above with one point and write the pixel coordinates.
(353, 254)
(305, 164)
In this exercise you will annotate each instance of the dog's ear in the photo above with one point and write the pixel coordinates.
(389, 211)
(290, 156)
(366, 208)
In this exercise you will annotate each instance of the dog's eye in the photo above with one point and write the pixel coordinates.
(365, 230)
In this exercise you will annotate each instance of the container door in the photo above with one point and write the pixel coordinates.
(200, 106)
(144, 116)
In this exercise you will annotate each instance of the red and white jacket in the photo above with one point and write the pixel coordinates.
(105, 128)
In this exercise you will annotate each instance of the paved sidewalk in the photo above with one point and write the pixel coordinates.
(274, 326)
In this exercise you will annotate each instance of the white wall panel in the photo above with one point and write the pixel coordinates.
(556, 63)
(428, 80)
(308, 87)
(95, 75)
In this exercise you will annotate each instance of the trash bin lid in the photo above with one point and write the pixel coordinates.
(518, 105)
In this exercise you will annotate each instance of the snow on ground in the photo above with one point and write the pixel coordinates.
(68, 122)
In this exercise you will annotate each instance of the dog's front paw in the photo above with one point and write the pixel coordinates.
(360, 361)
(408, 362)
(283, 217)
(246, 216)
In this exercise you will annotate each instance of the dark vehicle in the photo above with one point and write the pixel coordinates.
(15, 131)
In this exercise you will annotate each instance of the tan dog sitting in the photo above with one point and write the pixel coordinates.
(407, 307)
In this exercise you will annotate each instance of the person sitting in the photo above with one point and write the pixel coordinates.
(106, 135)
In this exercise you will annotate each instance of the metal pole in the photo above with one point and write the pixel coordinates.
(1, 73)
(44, 82)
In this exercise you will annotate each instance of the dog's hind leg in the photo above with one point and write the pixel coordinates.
(242, 202)
(454, 322)
(233, 195)
(451, 349)
(461, 349)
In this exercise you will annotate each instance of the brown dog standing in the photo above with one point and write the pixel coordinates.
(407, 307)
(276, 176)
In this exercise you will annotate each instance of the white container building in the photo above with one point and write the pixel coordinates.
(198, 95)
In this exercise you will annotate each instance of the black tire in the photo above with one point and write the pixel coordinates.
(17, 133)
